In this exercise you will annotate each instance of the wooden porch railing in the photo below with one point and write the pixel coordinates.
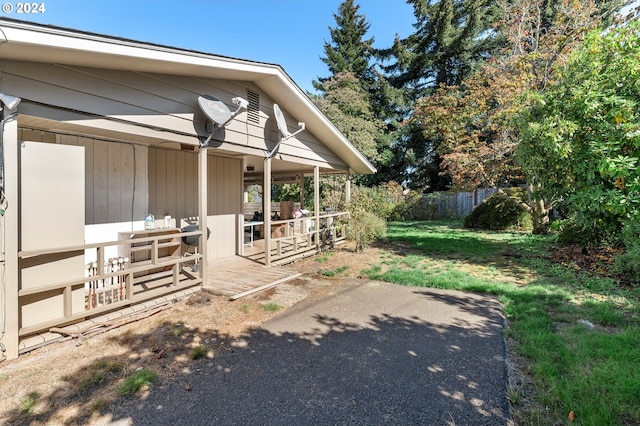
(307, 234)
(108, 289)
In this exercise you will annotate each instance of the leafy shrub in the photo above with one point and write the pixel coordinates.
(631, 232)
(500, 212)
(369, 208)
(628, 264)
(571, 232)
(379, 200)
(412, 207)
(364, 228)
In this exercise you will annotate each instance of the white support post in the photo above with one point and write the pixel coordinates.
(347, 189)
(10, 233)
(266, 210)
(301, 185)
(203, 212)
(316, 202)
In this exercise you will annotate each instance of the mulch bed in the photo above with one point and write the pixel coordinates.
(595, 261)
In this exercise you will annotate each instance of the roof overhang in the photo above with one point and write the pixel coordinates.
(25, 41)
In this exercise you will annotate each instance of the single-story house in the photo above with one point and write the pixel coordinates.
(111, 147)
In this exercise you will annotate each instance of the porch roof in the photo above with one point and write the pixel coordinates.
(25, 41)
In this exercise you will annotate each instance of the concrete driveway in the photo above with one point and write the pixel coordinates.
(366, 353)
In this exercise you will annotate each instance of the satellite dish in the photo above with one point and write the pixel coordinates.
(282, 126)
(214, 109)
(282, 123)
(217, 113)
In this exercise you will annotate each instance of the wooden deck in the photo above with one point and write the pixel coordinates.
(237, 276)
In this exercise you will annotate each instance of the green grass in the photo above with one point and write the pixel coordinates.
(137, 381)
(333, 272)
(244, 308)
(96, 374)
(594, 373)
(271, 307)
(198, 352)
(99, 404)
(28, 403)
(324, 257)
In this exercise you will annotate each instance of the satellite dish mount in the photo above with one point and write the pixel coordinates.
(218, 115)
(282, 127)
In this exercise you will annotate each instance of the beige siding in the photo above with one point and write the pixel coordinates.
(173, 183)
(173, 189)
(112, 172)
(156, 102)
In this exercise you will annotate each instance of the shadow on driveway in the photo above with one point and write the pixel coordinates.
(368, 353)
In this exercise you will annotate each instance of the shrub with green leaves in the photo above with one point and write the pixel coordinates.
(498, 212)
(628, 263)
(364, 228)
(580, 138)
(369, 208)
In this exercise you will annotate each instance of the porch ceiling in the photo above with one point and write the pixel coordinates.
(280, 168)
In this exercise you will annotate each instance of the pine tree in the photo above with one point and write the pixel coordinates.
(349, 51)
(450, 38)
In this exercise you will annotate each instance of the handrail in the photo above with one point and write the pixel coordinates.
(56, 250)
(102, 281)
(304, 242)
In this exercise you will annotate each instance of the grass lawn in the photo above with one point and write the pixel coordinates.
(576, 336)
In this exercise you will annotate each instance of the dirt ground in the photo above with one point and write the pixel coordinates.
(71, 382)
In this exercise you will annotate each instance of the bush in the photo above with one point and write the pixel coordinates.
(499, 212)
(369, 210)
(628, 263)
(379, 200)
(365, 227)
(412, 207)
(570, 232)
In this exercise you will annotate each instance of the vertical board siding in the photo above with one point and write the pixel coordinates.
(114, 183)
(100, 182)
(88, 180)
(112, 172)
(173, 189)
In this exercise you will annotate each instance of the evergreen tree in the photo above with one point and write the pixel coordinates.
(450, 38)
(349, 51)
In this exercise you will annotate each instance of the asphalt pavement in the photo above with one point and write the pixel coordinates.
(367, 353)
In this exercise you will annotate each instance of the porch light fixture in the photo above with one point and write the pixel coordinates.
(282, 127)
(10, 102)
(218, 114)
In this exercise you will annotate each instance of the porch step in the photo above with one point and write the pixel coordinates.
(237, 276)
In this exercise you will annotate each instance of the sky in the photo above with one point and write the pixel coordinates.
(290, 33)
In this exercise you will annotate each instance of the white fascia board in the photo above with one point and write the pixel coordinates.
(286, 93)
(44, 44)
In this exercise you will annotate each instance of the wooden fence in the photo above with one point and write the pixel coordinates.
(437, 205)
(442, 205)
